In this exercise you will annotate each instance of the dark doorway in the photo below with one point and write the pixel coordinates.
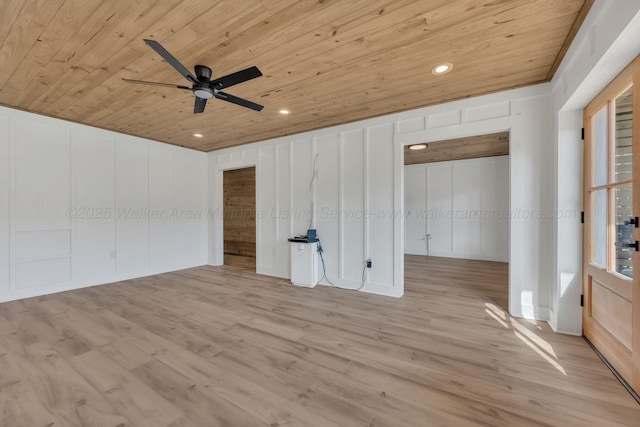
(239, 194)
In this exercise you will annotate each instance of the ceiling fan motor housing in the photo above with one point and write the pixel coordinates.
(203, 90)
(203, 73)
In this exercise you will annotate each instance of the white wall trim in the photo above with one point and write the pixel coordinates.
(398, 222)
(510, 121)
(51, 288)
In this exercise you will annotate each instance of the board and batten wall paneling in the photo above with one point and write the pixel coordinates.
(415, 208)
(132, 198)
(351, 193)
(352, 174)
(302, 164)
(267, 204)
(526, 114)
(92, 192)
(81, 206)
(284, 226)
(326, 186)
(42, 228)
(161, 199)
(439, 196)
(189, 214)
(495, 197)
(464, 209)
(360, 169)
(467, 206)
(380, 203)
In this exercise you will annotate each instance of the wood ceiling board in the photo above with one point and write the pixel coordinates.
(582, 15)
(495, 144)
(141, 62)
(329, 62)
(332, 78)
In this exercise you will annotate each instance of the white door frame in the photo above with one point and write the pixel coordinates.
(217, 208)
(432, 135)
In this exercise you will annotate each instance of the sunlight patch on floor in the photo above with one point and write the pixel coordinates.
(533, 341)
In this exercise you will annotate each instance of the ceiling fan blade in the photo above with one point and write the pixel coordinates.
(237, 77)
(199, 105)
(171, 60)
(144, 82)
(239, 101)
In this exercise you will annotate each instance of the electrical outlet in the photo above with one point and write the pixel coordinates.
(369, 263)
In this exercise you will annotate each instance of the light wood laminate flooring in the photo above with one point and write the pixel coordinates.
(223, 346)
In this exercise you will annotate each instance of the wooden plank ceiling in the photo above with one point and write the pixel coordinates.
(327, 61)
(495, 144)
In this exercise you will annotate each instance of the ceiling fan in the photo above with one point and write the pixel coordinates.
(202, 86)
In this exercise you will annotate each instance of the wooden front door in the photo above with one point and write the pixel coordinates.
(611, 313)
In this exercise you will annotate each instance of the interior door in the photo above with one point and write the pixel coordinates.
(611, 313)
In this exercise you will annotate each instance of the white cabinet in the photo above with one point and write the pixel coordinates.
(304, 264)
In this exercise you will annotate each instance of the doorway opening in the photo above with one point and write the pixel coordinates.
(456, 205)
(239, 217)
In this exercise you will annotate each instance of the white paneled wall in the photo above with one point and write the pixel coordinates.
(352, 165)
(380, 207)
(81, 206)
(132, 196)
(351, 195)
(93, 239)
(463, 205)
(495, 200)
(161, 197)
(357, 194)
(41, 197)
(526, 113)
(439, 199)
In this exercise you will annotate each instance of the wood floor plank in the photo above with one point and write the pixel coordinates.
(196, 400)
(223, 346)
(66, 392)
(142, 405)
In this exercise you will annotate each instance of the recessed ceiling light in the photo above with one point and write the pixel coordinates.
(441, 69)
(283, 111)
(197, 135)
(417, 147)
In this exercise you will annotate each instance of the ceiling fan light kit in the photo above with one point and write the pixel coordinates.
(201, 84)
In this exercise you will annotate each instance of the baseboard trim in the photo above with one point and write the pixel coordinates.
(615, 372)
(54, 288)
(563, 332)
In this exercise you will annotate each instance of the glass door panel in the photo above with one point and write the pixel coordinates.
(600, 148)
(624, 231)
(600, 228)
(623, 136)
